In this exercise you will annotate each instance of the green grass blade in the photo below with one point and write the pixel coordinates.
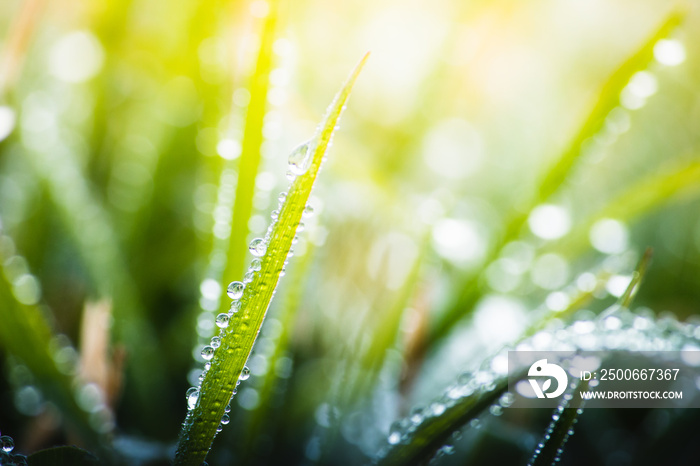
(549, 452)
(260, 417)
(608, 99)
(552, 180)
(678, 181)
(26, 334)
(434, 432)
(250, 150)
(637, 276)
(93, 233)
(229, 359)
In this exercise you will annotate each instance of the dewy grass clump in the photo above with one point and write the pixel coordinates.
(141, 191)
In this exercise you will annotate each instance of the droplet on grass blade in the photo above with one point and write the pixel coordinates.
(258, 247)
(192, 396)
(235, 307)
(207, 353)
(300, 159)
(235, 290)
(7, 443)
(222, 320)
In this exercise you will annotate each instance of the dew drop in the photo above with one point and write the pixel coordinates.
(255, 265)
(192, 396)
(222, 320)
(394, 438)
(235, 290)
(300, 159)
(308, 211)
(248, 277)
(227, 409)
(245, 373)
(282, 197)
(274, 215)
(235, 306)
(417, 415)
(7, 443)
(225, 419)
(258, 247)
(300, 227)
(215, 342)
(219, 429)
(395, 433)
(207, 353)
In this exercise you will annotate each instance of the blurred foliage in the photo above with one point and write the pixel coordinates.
(124, 127)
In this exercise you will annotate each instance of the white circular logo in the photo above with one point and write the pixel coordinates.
(543, 369)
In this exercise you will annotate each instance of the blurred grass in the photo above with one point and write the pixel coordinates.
(110, 187)
(559, 172)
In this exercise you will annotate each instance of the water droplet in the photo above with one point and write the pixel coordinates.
(394, 433)
(274, 215)
(225, 419)
(549, 221)
(215, 342)
(207, 353)
(235, 306)
(282, 197)
(258, 247)
(669, 52)
(417, 415)
(308, 211)
(227, 409)
(248, 277)
(192, 396)
(300, 227)
(255, 265)
(245, 373)
(289, 175)
(7, 443)
(219, 429)
(222, 320)
(300, 159)
(235, 290)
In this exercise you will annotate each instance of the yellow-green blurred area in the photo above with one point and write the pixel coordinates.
(437, 237)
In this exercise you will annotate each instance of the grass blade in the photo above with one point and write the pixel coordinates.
(679, 181)
(434, 432)
(608, 99)
(94, 235)
(250, 151)
(261, 418)
(549, 452)
(26, 334)
(216, 390)
(637, 276)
